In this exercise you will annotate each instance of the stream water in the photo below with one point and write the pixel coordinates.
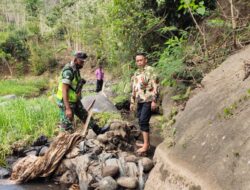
(6, 184)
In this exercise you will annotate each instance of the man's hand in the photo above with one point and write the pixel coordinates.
(153, 106)
(132, 107)
(69, 114)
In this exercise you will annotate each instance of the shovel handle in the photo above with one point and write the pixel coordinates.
(85, 126)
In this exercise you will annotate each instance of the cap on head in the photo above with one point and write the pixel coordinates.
(80, 55)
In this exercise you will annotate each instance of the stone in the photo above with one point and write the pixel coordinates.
(107, 183)
(68, 177)
(115, 126)
(43, 150)
(131, 158)
(9, 97)
(4, 173)
(91, 134)
(112, 162)
(128, 182)
(102, 103)
(102, 138)
(132, 169)
(110, 171)
(83, 147)
(97, 150)
(105, 156)
(32, 152)
(110, 134)
(147, 163)
(42, 140)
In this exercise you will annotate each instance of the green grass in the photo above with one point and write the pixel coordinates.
(104, 117)
(24, 120)
(23, 87)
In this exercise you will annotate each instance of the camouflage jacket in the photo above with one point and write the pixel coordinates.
(145, 85)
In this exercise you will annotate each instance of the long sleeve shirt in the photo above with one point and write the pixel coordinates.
(145, 85)
(99, 74)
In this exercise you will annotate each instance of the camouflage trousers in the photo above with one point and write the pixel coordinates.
(77, 109)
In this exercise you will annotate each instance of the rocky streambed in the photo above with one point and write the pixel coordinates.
(105, 161)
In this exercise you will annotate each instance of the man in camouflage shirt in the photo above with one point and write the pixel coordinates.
(145, 90)
(69, 96)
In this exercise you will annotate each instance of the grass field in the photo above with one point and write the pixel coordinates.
(22, 121)
(23, 87)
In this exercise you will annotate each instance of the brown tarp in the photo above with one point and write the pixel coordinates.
(31, 167)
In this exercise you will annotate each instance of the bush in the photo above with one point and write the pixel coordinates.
(16, 46)
(41, 59)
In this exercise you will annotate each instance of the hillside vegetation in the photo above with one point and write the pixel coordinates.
(184, 39)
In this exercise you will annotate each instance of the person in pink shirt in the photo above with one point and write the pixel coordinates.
(99, 73)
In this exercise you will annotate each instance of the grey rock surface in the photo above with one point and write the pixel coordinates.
(128, 182)
(102, 103)
(212, 146)
(107, 183)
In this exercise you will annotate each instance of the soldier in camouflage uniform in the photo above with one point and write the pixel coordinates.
(69, 98)
(145, 91)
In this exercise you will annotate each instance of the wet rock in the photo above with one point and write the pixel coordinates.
(102, 138)
(132, 169)
(105, 156)
(97, 150)
(9, 97)
(68, 177)
(91, 134)
(122, 166)
(121, 132)
(147, 163)
(110, 171)
(107, 183)
(42, 140)
(32, 152)
(112, 162)
(96, 170)
(83, 147)
(4, 173)
(131, 158)
(110, 147)
(128, 182)
(110, 134)
(90, 143)
(43, 150)
(115, 126)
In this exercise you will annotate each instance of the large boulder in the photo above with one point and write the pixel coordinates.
(102, 103)
(212, 147)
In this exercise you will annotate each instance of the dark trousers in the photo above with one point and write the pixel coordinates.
(144, 115)
(99, 84)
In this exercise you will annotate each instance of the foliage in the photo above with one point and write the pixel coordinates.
(41, 58)
(16, 46)
(105, 117)
(171, 60)
(181, 97)
(25, 120)
(23, 87)
(198, 8)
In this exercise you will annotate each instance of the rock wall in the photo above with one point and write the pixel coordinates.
(212, 149)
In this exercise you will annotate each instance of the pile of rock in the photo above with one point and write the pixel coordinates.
(106, 161)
